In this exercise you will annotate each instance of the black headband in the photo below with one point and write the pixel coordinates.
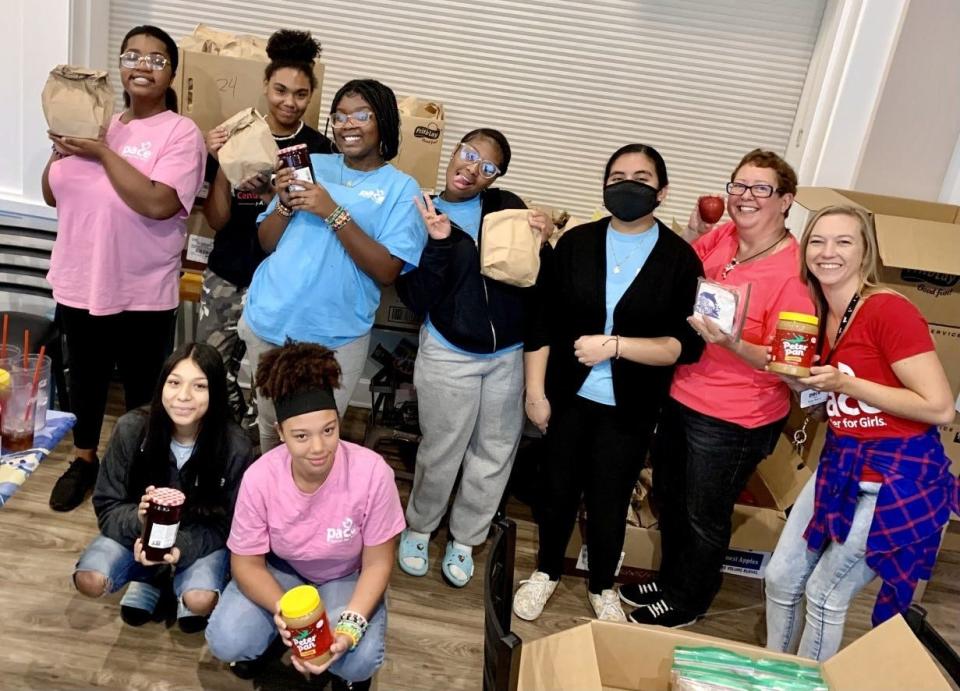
(306, 401)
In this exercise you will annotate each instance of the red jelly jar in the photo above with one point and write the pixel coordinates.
(298, 158)
(161, 522)
(795, 344)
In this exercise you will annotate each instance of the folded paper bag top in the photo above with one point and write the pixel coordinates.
(250, 148)
(412, 106)
(77, 102)
(509, 248)
(206, 39)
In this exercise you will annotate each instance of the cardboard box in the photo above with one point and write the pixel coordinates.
(603, 656)
(775, 486)
(211, 88)
(919, 246)
(393, 314)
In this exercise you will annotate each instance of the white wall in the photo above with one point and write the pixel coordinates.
(917, 122)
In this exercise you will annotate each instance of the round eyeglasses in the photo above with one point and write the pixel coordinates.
(488, 169)
(131, 60)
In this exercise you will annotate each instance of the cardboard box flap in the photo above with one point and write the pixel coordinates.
(889, 657)
(565, 660)
(784, 473)
(908, 243)
(815, 198)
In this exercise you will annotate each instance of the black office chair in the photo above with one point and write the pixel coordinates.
(501, 647)
(948, 658)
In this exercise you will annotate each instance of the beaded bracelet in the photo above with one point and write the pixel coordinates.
(354, 617)
(284, 210)
(338, 219)
(351, 631)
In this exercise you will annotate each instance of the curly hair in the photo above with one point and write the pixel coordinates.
(296, 49)
(297, 367)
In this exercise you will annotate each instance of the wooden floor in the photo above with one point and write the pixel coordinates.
(50, 637)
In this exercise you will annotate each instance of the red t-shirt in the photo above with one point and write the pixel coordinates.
(721, 384)
(887, 328)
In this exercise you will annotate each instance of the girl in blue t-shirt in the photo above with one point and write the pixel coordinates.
(334, 242)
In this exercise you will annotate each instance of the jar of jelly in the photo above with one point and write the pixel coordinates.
(161, 522)
(795, 344)
(298, 158)
(302, 610)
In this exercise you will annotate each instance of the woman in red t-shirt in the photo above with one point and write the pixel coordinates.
(883, 488)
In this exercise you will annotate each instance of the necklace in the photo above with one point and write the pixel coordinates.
(734, 263)
(617, 262)
(287, 137)
(357, 180)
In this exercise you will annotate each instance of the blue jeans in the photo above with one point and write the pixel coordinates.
(239, 629)
(830, 579)
(116, 563)
(700, 466)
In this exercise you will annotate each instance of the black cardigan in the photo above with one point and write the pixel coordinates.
(475, 313)
(571, 291)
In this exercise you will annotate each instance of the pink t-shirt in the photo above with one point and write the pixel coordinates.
(721, 384)
(108, 258)
(321, 535)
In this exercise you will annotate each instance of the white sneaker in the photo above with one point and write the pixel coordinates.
(532, 595)
(606, 605)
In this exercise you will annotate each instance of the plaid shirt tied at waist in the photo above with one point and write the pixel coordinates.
(914, 503)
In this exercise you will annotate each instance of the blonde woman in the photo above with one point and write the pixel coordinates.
(883, 488)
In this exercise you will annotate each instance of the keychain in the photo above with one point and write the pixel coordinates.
(800, 437)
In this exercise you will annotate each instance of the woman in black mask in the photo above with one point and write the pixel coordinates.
(614, 298)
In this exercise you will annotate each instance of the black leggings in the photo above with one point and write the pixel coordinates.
(136, 343)
(593, 454)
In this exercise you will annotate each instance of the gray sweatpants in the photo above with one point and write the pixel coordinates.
(351, 358)
(471, 415)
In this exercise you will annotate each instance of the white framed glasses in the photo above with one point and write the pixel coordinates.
(488, 169)
(360, 118)
(155, 61)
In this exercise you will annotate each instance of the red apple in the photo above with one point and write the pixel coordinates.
(711, 208)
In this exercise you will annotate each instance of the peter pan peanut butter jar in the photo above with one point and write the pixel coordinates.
(306, 618)
(794, 344)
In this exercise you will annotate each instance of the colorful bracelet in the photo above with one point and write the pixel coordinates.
(355, 618)
(284, 210)
(352, 625)
(338, 219)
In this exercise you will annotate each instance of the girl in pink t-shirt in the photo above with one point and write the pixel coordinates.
(314, 510)
(122, 203)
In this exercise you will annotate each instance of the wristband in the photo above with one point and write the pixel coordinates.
(338, 219)
(351, 631)
(539, 400)
(618, 347)
(284, 210)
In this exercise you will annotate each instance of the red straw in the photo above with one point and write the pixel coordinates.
(6, 328)
(36, 383)
(26, 346)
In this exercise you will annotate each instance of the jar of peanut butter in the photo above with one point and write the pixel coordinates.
(162, 521)
(795, 344)
(306, 618)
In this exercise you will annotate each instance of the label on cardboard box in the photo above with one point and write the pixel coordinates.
(199, 248)
(583, 563)
(744, 562)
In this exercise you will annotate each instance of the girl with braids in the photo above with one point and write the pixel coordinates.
(122, 205)
(314, 510)
(334, 242)
(289, 83)
(185, 440)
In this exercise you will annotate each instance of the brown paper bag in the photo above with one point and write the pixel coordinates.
(206, 39)
(77, 102)
(250, 148)
(421, 138)
(509, 249)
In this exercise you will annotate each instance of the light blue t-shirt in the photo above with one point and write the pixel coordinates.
(181, 452)
(310, 289)
(630, 253)
(467, 215)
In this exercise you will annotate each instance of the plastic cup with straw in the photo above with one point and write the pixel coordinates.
(34, 389)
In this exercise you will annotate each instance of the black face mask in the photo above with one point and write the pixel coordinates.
(629, 200)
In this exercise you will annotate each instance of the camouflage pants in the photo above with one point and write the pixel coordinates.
(221, 304)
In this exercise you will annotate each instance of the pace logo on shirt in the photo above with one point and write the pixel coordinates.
(378, 196)
(849, 413)
(344, 533)
(141, 152)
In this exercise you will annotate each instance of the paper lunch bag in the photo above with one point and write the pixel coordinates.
(509, 249)
(77, 102)
(250, 148)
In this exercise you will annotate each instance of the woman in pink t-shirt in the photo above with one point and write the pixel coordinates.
(725, 412)
(313, 510)
(122, 203)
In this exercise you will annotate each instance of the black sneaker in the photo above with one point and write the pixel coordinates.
(640, 594)
(662, 614)
(192, 623)
(72, 487)
(339, 684)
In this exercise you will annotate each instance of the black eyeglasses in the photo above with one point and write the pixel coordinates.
(761, 190)
(131, 60)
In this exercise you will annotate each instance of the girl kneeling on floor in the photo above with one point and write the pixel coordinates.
(313, 510)
(187, 441)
